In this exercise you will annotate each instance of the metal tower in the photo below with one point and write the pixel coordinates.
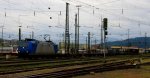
(76, 35)
(67, 36)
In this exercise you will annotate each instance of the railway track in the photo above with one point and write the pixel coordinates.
(33, 62)
(86, 70)
(48, 66)
(23, 61)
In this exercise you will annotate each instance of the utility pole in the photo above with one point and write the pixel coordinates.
(50, 33)
(145, 42)
(95, 45)
(89, 40)
(19, 33)
(86, 44)
(76, 26)
(78, 29)
(32, 35)
(2, 38)
(101, 46)
(128, 38)
(95, 41)
(101, 34)
(121, 43)
(67, 36)
(32, 32)
(139, 42)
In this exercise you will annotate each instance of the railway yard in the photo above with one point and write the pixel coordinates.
(74, 39)
(83, 67)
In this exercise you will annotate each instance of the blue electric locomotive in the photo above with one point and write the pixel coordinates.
(32, 47)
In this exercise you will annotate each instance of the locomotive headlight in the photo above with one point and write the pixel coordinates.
(23, 47)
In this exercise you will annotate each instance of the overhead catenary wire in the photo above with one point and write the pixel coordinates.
(108, 12)
(39, 11)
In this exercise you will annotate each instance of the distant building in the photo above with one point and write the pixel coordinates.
(124, 49)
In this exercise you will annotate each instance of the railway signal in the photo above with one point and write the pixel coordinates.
(105, 22)
(105, 26)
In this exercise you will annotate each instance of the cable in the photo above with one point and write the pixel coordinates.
(133, 20)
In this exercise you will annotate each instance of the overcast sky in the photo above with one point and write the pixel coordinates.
(122, 15)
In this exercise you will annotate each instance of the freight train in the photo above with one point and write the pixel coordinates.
(35, 48)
